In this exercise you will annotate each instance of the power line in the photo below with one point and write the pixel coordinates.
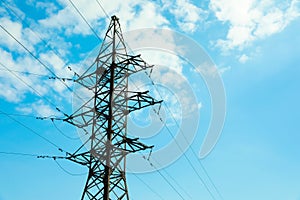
(18, 154)
(193, 151)
(169, 131)
(45, 66)
(148, 186)
(205, 171)
(39, 156)
(102, 8)
(52, 117)
(31, 155)
(34, 132)
(84, 19)
(34, 56)
(18, 115)
(34, 90)
(46, 45)
(108, 121)
(174, 180)
(190, 163)
(165, 178)
(39, 75)
(61, 132)
(184, 153)
(56, 52)
(66, 171)
(24, 22)
(159, 164)
(25, 73)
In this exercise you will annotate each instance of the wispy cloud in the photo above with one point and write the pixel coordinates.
(60, 24)
(243, 58)
(251, 20)
(188, 16)
(38, 108)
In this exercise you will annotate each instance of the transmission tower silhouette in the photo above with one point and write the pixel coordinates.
(103, 117)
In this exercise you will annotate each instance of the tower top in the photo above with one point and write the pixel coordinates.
(114, 17)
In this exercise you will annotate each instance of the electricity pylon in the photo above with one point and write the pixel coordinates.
(103, 118)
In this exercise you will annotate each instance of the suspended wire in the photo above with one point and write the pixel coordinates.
(177, 144)
(25, 73)
(24, 22)
(158, 163)
(18, 154)
(39, 75)
(148, 186)
(166, 126)
(66, 171)
(174, 180)
(61, 132)
(33, 89)
(43, 64)
(191, 164)
(38, 35)
(177, 124)
(201, 179)
(46, 45)
(34, 132)
(31, 155)
(52, 117)
(192, 149)
(34, 56)
(18, 115)
(102, 8)
(84, 19)
(146, 73)
(39, 156)
(184, 153)
(165, 178)
(209, 178)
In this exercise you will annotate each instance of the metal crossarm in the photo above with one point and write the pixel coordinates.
(103, 117)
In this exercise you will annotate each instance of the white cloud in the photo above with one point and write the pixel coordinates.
(15, 29)
(187, 15)
(152, 12)
(161, 58)
(66, 20)
(16, 85)
(222, 70)
(38, 108)
(55, 63)
(48, 7)
(250, 20)
(243, 58)
(25, 110)
(12, 90)
(10, 93)
(60, 23)
(70, 22)
(208, 69)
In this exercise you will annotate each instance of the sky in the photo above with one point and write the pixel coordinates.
(213, 59)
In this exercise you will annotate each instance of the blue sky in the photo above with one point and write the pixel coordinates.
(255, 47)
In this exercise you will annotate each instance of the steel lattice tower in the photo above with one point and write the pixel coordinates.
(103, 118)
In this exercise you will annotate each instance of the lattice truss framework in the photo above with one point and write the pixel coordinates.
(103, 118)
